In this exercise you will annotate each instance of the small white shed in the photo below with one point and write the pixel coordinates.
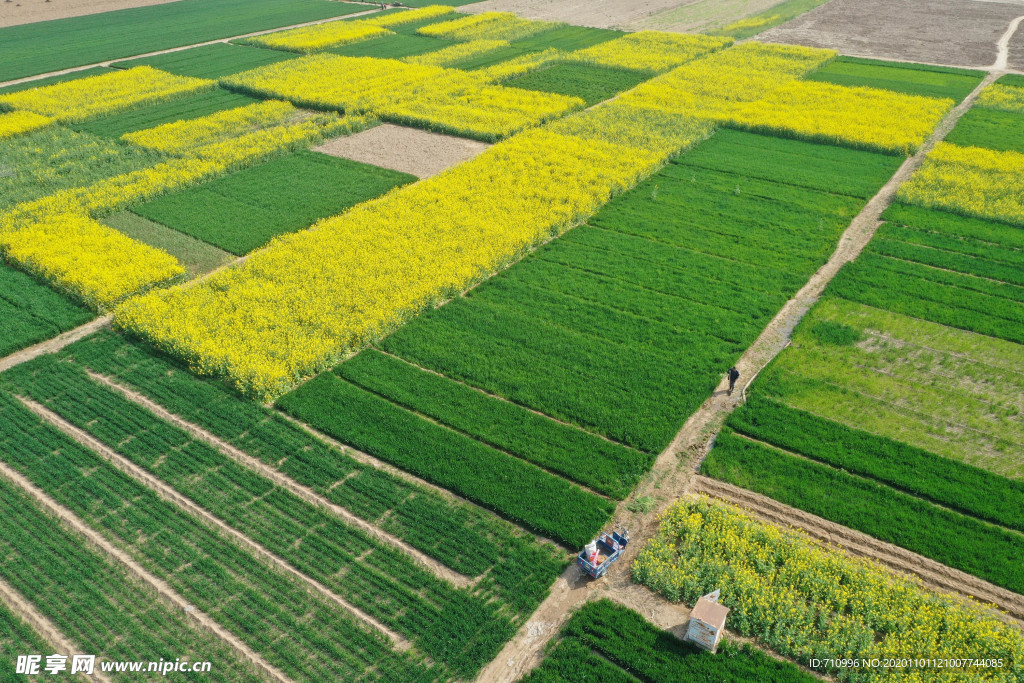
(707, 622)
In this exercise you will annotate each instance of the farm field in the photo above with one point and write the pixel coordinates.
(325, 346)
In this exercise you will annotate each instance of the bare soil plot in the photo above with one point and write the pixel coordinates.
(701, 15)
(598, 13)
(404, 149)
(955, 32)
(31, 11)
(1016, 51)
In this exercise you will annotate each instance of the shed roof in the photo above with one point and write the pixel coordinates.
(711, 613)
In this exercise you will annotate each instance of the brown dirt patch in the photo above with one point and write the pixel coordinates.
(31, 11)
(955, 32)
(597, 13)
(408, 150)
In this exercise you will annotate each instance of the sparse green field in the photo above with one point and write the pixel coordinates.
(197, 256)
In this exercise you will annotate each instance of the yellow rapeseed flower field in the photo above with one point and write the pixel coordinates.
(454, 53)
(18, 122)
(85, 98)
(441, 99)
(806, 600)
(421, 14)
(487, 26)
(1002, 97)
(93, 261)
(181, 137)
(300, 303)
(319, 36)
(649, 50)
(971, 181)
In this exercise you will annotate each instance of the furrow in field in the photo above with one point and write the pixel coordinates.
(169, 494)
(440, 570)
(165, 591)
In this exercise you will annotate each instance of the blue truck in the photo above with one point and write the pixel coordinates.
(602, 552)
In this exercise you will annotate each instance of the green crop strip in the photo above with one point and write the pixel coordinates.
(519, 491)
(123, 33)
(607, 642)
(472, 542)
(577, 455)
(953, 539)
(307, 636)
(451, 626)
(30, 311)
(209, 61)
(594, 84)
(970, 490)
(245, 210)
(192, 107)
(952, 225)
(93, 602)
(568, 38)
(911, 79)
(1002, 131)
(391, 47)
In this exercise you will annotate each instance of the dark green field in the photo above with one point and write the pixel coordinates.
(110, 35)
(210, 61)
(1002, 131)
(243, 211)
(192, 107)
(912, 79)
(593, 83)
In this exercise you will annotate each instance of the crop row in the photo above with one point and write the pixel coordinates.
(17, 638)
(352, 285)
(103, 36)
(576, 455)
(427, 96)
(517, 490)
(465, 538)
(908, 78)
(607, 636)
(971, 181)
(302, 633)
(954, 225)
(984, 254)
(835, 170)
(96, 604)
(194, 106)
(808, 601)
(906, 244)
(116, 91)
(447, 624)
(956, 300)
(968, 489)
(244, 210)
(32, 312)
(948, 537)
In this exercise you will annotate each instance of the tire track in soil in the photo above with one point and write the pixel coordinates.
(284, 481)
(676, 467)
(38, 622)
(162, 588)
(168, 494)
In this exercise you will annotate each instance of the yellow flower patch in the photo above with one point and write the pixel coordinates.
(421, 14)
(487, 26)
(87, 98)
(971, 181)
(649, 50)
(95, 262)
(457, 52)
(1002, 97)
(319, 36)
(18, 122)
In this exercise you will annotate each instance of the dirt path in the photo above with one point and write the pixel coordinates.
(674, 472)
(61, 72)
(1003, 46)
(53, 345)
(39, 623)
(161, 587)
(935, 575)
(170, 495)
(287, 483)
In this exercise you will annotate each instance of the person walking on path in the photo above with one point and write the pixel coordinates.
(733, 375)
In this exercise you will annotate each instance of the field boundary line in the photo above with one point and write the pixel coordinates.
(867, 478)
(167, 493)
(934, 575)
(676, 467)
(284, 481)
(409, 478)
(54, 344)
(107, 63)
(41, 624)
(161, 587)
